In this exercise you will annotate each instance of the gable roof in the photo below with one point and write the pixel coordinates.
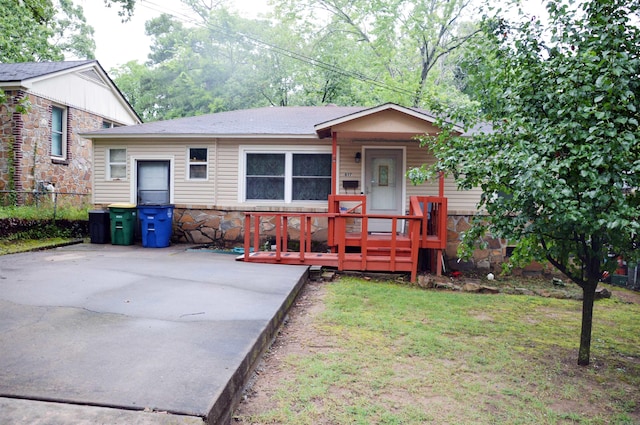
(21, 71)
(26, 75)
(268, 122)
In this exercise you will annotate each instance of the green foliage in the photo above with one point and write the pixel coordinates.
(44, 212)
(560, 168)
(289, 59)
(565, 141)
(41, 30)
(126, 7)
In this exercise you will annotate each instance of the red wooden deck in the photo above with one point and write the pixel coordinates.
(351, 245)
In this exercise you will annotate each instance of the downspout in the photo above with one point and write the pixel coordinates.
(334, 164)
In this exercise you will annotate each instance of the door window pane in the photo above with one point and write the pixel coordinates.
(153, 182)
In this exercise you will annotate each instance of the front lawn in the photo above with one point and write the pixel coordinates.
(363, 352)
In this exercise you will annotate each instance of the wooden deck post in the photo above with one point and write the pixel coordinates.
(334, 162)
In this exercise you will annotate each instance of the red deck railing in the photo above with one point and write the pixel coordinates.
(350, 244)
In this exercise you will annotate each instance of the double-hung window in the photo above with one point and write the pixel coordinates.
(58, 132)
(198, 160)
(117, 167)
(287, 176)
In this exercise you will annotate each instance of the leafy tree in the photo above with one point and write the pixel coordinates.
(126, 7)
(560, 169)
(25, 31)
(42, 30)
(398, 42)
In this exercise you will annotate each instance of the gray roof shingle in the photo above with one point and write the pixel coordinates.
(287, 120)
(16, 72)
(297, 121)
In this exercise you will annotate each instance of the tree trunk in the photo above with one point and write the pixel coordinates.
(588, 296)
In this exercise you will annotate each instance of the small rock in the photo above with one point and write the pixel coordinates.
(425, 281)
(483, 265)
(523, 291)
(489, 289)
(602, 293)
(471, 287)
(444, 285)
(328, 276)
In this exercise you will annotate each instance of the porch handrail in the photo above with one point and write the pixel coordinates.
(434, 220)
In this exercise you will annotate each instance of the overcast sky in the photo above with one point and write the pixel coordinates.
(118, 43)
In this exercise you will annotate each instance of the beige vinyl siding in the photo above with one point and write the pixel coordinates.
(105, 191)
(198, 192)
(349, 169)
(458, 201)
(227, 176)
(221, 188)
(194, 192)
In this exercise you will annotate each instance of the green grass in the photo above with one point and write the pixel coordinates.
(44, 212)
(403, 355)
(13, 247)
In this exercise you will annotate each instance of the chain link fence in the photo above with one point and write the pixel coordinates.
(46, 200)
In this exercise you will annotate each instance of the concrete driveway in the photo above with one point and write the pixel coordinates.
(125, 334)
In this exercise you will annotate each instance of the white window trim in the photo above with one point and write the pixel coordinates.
(288, 151)
(63, 141)
(189, 164)
(133, 164)
(108, 164)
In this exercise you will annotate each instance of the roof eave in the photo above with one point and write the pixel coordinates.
(94, 136)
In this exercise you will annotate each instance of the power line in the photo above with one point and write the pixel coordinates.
(275, 48)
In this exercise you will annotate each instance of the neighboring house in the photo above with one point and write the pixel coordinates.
(216, 167)
(41, 148)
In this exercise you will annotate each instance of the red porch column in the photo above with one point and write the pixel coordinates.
(334, 162)
(441, 184)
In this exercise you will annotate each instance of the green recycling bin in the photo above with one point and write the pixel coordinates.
(123, 223)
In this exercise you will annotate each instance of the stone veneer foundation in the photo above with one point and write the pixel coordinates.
(225, 229)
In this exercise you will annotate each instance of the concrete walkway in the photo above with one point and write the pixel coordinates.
(125, 334)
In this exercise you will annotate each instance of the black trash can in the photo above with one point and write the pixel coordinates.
(99, 230)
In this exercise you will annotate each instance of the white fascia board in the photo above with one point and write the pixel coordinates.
(131, 136)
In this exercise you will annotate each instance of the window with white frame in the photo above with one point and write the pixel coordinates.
(117, 167)
(198, 163)
(288, 176)
(58, 132)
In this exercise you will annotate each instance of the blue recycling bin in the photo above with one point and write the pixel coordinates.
(156, 225)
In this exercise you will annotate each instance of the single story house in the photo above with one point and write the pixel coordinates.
(47, 105)
(217, 168)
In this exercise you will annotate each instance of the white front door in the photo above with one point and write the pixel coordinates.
(384, 180)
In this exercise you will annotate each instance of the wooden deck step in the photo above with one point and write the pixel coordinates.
(350, 262)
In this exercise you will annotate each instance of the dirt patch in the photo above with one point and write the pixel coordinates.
(629, 297)
(297, 336)
(300, 336)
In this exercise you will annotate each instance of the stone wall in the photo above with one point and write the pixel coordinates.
(30, 141)
(489, 258)
(225, 229)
